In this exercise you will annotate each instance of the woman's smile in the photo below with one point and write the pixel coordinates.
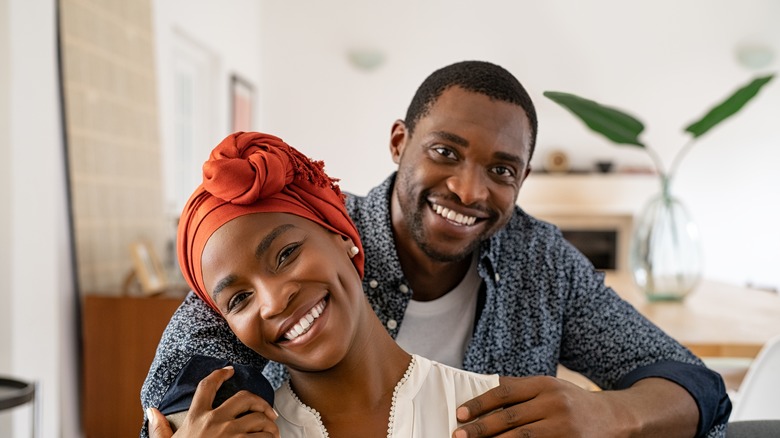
(305, 324)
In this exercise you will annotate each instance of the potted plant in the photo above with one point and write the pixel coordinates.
(665, 254)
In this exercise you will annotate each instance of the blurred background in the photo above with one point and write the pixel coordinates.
(109, 107)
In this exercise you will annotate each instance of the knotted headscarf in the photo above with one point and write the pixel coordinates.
(251, 172)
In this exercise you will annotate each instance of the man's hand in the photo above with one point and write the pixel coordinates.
(241, 414)
(548, 407)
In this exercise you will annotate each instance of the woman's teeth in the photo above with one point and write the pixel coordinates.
(448, 214)
(305, 323)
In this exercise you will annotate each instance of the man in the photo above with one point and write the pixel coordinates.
(458, 273)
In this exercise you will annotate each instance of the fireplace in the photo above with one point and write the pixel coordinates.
(595, 212)
(603, 239)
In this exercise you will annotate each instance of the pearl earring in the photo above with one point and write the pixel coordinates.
(353, 251)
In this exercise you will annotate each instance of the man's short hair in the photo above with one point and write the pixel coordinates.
(475, 76)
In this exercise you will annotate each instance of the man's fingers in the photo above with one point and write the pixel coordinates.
(510, 391)
(517, 418)
(158, 425)
(207, 389)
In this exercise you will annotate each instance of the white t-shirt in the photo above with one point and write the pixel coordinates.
(425, 403)
(447, 321)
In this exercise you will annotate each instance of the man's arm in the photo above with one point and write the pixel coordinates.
(649, 381)
(193, 329)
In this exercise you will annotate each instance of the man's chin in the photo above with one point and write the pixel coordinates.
(447, 256)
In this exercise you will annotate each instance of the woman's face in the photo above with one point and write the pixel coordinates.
(286, 287)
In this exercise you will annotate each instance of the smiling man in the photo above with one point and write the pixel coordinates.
(458, 273)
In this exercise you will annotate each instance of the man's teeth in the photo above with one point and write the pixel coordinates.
(305, 323)
(448, 214)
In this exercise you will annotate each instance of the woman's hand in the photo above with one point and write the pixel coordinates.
(238, 416)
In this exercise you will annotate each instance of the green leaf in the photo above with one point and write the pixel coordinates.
(610, 122)
(728, 107)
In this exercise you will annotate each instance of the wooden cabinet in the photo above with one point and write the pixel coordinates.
(120, 337)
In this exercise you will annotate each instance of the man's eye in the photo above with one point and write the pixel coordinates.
(236, 300)
(445, 152)
(503, 171)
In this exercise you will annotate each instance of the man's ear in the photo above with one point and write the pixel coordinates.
(398, 136)
(527, 171)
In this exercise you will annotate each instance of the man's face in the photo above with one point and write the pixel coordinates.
(459, 174)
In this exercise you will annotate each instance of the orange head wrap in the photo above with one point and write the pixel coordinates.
(251, 172)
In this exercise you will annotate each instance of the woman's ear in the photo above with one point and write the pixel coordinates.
(352, 249)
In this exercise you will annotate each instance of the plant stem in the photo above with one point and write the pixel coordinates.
(659, 165)
(678, 158)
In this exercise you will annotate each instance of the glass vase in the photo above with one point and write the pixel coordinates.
(665, 255)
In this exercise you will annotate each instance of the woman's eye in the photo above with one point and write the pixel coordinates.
(287, 252)
(237, 300)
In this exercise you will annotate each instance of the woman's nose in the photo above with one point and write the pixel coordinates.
(275, 298)
(469, 185)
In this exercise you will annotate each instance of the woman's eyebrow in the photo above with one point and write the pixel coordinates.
(222, 284)
(269, 238)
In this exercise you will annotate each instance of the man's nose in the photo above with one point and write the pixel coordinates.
(469, 184)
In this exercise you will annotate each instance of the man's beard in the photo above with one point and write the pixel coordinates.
(414, 222)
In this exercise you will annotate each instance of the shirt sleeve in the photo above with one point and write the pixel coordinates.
(610, 342)
(193, 329)
(705, 386)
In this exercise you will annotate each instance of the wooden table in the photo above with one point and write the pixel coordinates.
(715, 320)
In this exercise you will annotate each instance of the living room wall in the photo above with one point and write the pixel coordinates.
(667, 62)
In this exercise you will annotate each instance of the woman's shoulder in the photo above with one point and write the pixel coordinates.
(437, 379)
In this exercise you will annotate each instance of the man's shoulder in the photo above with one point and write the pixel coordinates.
(524, 232)
(193, 329)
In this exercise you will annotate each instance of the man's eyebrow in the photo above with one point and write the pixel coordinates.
(460, 141)
(452, 138)
(505, 156)
(269, 239)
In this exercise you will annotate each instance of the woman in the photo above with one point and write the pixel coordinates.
(267, 243)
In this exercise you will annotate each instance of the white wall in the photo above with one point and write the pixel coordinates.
(230, 34)
(39, 288)
(665, 61)
(5, 211)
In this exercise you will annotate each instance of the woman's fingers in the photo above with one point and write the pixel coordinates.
(207, 389)
(243, 402)
(158, 425)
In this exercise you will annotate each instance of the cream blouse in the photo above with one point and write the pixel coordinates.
(424, 403)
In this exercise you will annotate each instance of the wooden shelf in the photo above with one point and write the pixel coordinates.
(586, 194)
(120, 335)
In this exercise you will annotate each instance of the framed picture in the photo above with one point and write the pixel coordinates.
(147, 268)
(241, 104)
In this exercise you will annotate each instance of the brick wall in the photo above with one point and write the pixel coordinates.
(113, 141)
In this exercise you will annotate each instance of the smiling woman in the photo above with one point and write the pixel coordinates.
(267, 242)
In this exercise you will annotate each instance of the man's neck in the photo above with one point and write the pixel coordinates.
(430, 279)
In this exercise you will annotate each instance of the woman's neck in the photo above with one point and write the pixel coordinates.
(361, 385)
